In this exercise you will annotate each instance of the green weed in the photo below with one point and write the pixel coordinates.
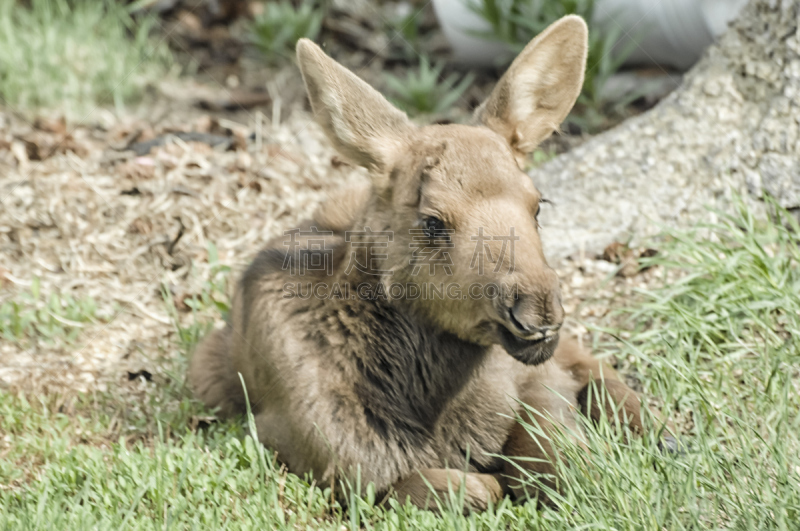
(33, 315)
(720, 347)
(422, 91)
(209, 304)
(276, 30)
(76, 54)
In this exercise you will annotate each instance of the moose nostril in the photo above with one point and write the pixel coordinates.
(528, 321)
(513, 314)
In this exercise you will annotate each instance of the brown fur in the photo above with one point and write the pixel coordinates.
(212, 374)
(415, 395)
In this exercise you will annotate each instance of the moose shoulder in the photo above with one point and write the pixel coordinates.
(396, 335)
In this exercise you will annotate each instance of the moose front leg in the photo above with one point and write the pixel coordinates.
(430, 488)
(602, 392)
(613, 400)
(548, 394)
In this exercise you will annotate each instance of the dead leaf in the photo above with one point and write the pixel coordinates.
(629, 259)
(614, 252)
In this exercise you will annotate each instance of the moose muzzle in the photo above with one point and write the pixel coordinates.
(530, 326)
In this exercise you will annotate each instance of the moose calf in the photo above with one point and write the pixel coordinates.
(416, 393)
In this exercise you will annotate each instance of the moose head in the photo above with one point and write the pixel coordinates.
(457, 192)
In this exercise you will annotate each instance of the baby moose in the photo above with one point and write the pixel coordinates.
(444, 316)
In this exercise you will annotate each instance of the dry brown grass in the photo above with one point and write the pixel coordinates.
(89, 220)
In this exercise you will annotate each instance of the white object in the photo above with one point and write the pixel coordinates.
(668, 32)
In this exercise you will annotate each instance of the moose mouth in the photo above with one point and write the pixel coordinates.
(528, 351)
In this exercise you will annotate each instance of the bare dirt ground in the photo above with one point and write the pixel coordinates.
(93, 211)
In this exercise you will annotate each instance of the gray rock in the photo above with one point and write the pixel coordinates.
(731, 128)
(780, 175)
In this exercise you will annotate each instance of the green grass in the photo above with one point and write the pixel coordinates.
(76, 54)
(423, 92)
(276, 30)
(53, 318)
(718, 345)
(209, 304)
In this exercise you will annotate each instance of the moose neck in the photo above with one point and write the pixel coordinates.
(409, 372)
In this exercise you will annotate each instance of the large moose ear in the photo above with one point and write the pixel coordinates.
(540, 87)
(362, 125)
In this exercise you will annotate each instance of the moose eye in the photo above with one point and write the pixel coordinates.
(539, 208)
(433, 227)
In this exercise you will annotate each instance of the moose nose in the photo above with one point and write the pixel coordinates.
(536, 319)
